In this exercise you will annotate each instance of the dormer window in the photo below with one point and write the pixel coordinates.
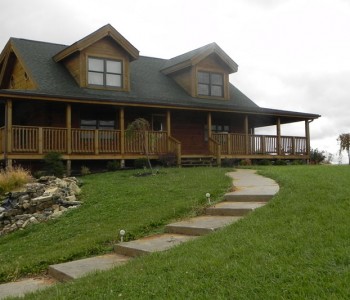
(210, 84)
(105, 72)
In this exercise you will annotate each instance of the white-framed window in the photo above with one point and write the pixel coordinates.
(210, 84)
(105, 72)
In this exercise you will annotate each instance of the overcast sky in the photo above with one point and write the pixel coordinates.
(292, 54)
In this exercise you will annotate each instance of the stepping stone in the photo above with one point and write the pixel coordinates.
(233, 208)
(151, 244)
(22, 287)
(79, 268)
(200, 225)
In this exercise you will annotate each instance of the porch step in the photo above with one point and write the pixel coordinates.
(79, 268)
(198, 161)
(151, 244)
(237, 209)
(200, 225)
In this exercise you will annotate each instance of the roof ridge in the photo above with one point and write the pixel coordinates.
(35, 41)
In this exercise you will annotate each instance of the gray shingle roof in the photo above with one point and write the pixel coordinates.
(148, 84)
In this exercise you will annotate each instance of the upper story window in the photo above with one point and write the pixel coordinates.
(210, 84)
(105, 72)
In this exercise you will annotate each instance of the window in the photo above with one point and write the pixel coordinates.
(210, 84)
(220, 128)
(105, 72)
(90, 119)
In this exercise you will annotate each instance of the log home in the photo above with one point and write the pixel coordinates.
(79, 99)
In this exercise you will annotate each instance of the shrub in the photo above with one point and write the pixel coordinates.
(281, 162)
(13, 177)
(113, 165)
(54, 164)
(316, 156)
(141, 163)
(264, 162)
(297, 162)
(228, 163)
(168, 159)
(245, 162)
(84, 171)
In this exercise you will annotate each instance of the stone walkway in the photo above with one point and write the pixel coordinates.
(251, 191)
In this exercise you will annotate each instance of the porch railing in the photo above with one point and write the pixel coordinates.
(41, 140)
(235, 143)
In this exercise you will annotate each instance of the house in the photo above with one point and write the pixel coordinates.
(79, 99)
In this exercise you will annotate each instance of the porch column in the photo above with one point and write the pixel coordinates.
(122, 130)
(246, 131)
(8, 139)
(307, 135)
(69, 128)
(168, 128)
(209, 124)
(278, 136)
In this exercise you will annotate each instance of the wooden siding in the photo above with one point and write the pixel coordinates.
(19, 79)
(184, 79)
(73, 65)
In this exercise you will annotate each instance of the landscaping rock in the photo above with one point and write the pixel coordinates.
(47, 198)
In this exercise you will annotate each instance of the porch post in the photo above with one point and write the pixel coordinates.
(122, 130)
(69, 128)
(8, 124)
(246, 131)
(209, 124)
(168, 128)
(307, 135)
(278, 136)
(122, 135)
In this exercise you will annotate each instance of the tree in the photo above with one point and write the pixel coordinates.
(140, 127)
(344, 140)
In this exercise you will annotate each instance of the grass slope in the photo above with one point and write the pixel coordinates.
(112, 201)
(296, 247)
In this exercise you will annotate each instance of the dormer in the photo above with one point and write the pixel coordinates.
(203, 72)
(101, 60)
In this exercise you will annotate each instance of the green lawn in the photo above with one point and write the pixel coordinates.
(296, 247)
(112, 201)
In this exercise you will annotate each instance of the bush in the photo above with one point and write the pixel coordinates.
(297, 162)
(264, 162)
(113, 165)
(316, 156)
(228, 163)
(13, 177)
(54, 164)
(281, 162)
(245, 162)
(84, 171)
(168, 159)
(141, 163)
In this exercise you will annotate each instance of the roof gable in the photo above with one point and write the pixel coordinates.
(12, 64)
(107, 30)
(193, 57)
